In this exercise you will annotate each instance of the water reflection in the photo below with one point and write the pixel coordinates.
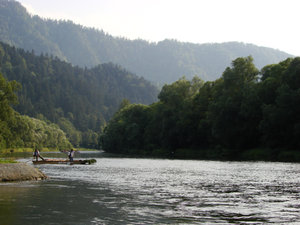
(141, 191)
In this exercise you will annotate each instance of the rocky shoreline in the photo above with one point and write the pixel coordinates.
(19, 172)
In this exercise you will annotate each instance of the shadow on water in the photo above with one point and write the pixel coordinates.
(8, 206)
(61, 202)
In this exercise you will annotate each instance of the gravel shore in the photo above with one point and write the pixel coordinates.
(19, 172)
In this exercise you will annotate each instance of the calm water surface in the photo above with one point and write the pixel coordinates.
(154, 191)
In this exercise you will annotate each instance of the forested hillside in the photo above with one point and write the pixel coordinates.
(79, 100)
(245, 114)
(22, 131)
(160, 62)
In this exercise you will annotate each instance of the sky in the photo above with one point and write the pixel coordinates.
(268, 23)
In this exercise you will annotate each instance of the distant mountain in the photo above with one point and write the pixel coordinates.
(160, 62)
(80, 100)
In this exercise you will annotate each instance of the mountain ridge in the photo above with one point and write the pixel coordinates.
(161, 62)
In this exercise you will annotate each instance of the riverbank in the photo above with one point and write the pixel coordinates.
(19, 172)
(219, 154)
(8, 151)
(15, 150)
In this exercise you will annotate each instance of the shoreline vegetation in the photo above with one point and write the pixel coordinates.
(255, 154)
(247, 114)
(15, 153)
(15, 150)
(11, 154)
(250, 155)
(7, 160)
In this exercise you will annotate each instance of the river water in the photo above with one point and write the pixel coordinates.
(155, 191)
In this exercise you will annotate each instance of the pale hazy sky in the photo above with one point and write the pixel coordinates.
(270, 23)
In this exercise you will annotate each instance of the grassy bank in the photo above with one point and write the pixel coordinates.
(19, 150)
(7, 161)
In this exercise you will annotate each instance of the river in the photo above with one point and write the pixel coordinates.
(156, 191)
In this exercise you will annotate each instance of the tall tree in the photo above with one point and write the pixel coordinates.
(7, 98)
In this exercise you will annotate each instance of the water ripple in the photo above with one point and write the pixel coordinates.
(147, 191)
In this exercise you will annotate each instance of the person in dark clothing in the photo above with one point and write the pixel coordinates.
(71, 155)
(36, 154)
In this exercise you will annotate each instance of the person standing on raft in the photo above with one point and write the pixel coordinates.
(36, 154)
(71, 155)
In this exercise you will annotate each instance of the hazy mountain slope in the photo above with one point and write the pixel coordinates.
(160, 62)
(56, 90)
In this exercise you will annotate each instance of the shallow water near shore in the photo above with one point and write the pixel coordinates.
(156, 191)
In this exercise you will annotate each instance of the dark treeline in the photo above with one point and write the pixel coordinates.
(79, 100)
(162, 62)
(246, 114)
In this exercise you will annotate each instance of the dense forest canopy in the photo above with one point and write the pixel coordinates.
(22, 131)
(162, 62)
(232, 117)
(79, 100)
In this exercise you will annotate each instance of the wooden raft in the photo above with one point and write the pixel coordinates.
(65, 161)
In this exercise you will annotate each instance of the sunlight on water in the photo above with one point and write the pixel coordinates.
(149, 191)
